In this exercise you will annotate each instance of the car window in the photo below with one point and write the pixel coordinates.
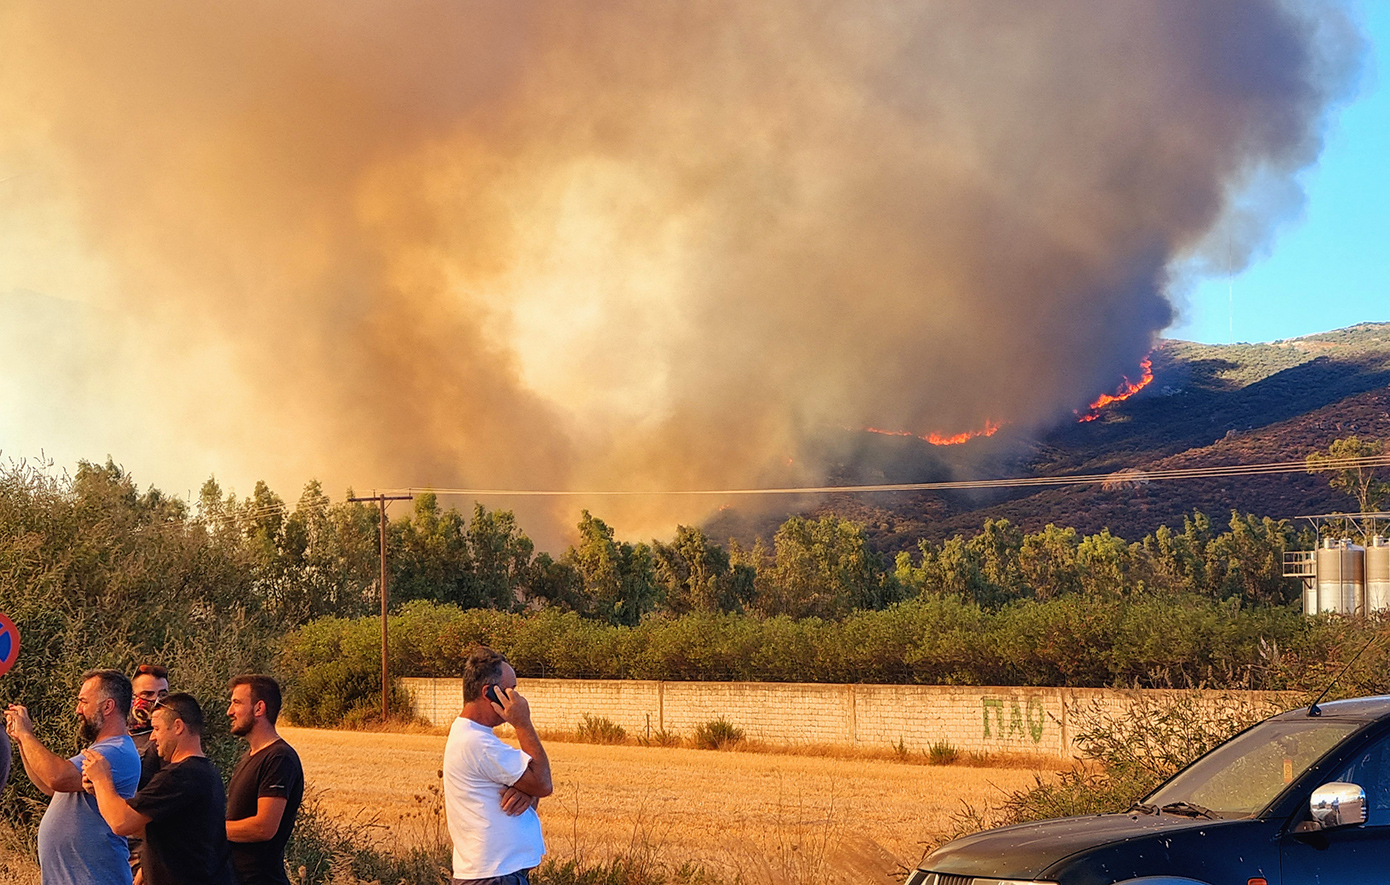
(1369, 771)
(1240, 777)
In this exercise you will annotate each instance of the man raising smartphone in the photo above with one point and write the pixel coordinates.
(76, 847)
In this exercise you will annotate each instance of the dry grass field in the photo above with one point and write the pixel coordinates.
(763, 817)
(758, 818)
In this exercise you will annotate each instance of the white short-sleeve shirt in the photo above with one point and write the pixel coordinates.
(487, 842)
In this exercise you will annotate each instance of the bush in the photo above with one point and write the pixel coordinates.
(1155, 642)
(660, 738)
(942, 753)
(600, 730)
(717, 734)
(1125, 756)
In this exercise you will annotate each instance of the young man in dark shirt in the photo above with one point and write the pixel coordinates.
(149, 686)
(267, 785)
(180, 808)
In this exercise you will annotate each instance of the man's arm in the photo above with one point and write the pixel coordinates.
(261, 826)
(120, 817)
(516, 802)
(49, 772)
(536, 779)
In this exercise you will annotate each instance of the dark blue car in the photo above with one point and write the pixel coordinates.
(1301, 798)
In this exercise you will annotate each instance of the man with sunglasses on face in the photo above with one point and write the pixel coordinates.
(76, 847)
(180, 809)
(490, 788)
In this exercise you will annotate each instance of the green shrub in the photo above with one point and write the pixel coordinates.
(943, 753)
(661, 738)
(600, 730)
(1125, 755)
(717, 734)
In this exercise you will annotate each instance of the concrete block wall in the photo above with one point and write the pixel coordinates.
(971, 718)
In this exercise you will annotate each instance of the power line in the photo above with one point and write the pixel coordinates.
(1126, 475)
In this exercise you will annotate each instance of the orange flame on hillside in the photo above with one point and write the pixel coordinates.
(1127, 390)
(937, 439)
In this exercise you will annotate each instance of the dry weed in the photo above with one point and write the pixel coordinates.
(17, 865)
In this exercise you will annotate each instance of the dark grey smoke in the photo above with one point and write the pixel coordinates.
(635, 244)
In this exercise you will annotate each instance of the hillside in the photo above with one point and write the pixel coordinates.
(1207, 405)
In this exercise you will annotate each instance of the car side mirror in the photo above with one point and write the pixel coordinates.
(1338, 805)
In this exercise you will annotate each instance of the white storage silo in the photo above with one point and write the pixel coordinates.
(1341, 577)
(1377, 574)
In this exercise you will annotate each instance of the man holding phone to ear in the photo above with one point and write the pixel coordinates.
(491, 789)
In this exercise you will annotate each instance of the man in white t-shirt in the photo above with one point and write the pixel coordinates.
(491, 789)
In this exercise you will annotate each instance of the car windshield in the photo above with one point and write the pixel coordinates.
(1243, 775)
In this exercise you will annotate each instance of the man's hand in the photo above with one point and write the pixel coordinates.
(47, 771)
(516, 802)
(95, 770)
(17, 722)
(514, 708)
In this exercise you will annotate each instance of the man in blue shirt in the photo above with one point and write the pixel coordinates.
(76, 847)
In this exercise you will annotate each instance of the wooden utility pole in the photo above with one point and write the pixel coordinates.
(385, 674)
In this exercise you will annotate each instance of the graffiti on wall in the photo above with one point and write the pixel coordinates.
(1023, 720)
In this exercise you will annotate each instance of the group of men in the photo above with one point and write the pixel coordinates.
(143, 804)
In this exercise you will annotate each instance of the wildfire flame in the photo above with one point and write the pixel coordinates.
(1127, 390)
(937, 439)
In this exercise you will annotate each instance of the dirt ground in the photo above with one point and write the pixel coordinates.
(783, 818)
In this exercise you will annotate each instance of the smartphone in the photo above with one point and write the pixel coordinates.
(493, 695)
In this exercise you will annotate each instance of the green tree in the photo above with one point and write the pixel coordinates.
(1250, 560)
(96, 573)
(822, 568)
(502, 575)
(1103, 562)
(697, 576)
(618, 578)
(429, 556)
(955, 570)
(1360, 482)
(1047, 562)
(1177, 562)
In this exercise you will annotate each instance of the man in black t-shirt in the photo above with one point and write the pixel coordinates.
(180, 808)
(267, 785)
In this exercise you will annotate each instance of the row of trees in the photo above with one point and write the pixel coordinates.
(321, 559)
(264, 558)
(318, 558)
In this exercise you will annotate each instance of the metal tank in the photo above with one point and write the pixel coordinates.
(1377, 574)
(1341, 577)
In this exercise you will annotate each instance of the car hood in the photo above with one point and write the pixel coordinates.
(1026, 851)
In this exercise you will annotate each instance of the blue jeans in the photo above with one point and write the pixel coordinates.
(517, 878)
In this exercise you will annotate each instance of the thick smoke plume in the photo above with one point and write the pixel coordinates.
(622, 245)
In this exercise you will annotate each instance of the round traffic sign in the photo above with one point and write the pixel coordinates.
(9, 643)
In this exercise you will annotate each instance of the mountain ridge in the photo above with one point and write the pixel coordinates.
(1208, 405)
